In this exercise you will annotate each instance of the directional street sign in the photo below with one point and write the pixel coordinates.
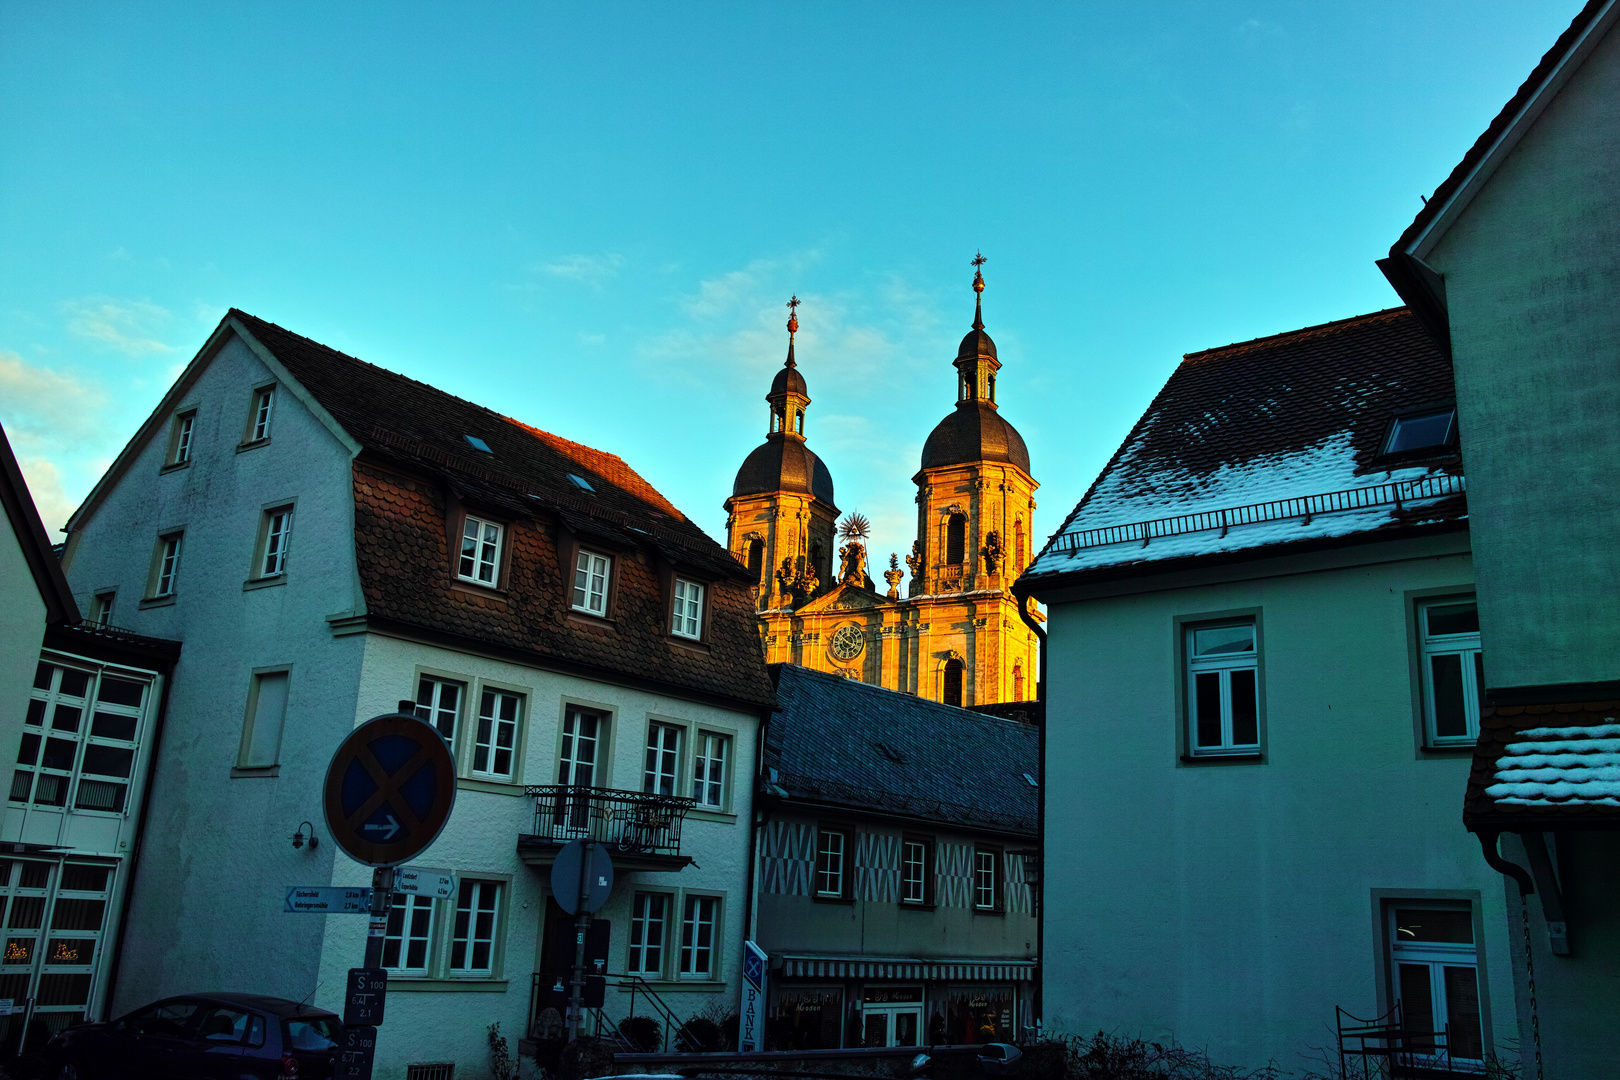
(327, 900)
(565, 876)
(389, 789)
(363, 1003)
(425, 881)
(357, 1046)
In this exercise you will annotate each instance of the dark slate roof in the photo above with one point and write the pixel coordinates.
(784, 463)
(974, 431)
(841, 743)
(402, 547)
(1259, 422)
(1503, 120)
(1546, 767)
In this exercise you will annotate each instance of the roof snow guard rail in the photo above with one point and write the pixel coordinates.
(1306, 506)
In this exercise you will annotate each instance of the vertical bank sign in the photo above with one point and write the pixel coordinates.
(751, 1013)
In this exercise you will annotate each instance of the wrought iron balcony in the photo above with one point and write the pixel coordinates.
(640, 831)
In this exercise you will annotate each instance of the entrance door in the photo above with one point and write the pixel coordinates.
(891, 1016)
(54, 915)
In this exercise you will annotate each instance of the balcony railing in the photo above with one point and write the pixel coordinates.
(627, 822)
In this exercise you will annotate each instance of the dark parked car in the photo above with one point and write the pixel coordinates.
(202, 1037)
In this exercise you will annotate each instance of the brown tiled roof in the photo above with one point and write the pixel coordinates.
(1487, 139)
(1545, 767)
(416, 458)
(1289, 416)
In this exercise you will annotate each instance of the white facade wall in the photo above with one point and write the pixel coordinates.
(22, 628)
(446, 1020)
(206, 907)
(1233, 906)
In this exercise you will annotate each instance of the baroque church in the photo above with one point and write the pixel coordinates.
(956, 635)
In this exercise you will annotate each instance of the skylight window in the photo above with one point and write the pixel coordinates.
(478, 444)
(1426, 431)
(580, 482)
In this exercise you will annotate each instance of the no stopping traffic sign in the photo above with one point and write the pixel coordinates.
(389, 789)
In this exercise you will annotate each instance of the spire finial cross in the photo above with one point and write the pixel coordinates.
(793, 314)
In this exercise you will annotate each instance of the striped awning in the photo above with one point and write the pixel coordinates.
(904, 967)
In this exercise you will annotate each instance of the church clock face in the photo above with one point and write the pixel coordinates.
(847, 642)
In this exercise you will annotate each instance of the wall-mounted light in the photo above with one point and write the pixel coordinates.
(299, 839)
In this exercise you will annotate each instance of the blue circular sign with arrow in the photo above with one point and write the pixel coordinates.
(389, 789)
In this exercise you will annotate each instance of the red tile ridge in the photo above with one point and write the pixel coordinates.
(608, 466)
(1303, 333)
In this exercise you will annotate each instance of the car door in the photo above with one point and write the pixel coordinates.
(218, 1042)
(146, 1044)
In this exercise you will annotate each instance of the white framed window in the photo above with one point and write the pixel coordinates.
(266, 714)
(79, 739)
(101, 609)
(697, 937)
(480, 559)
(264, 403)
(495, 739)
(1453, 671)
(478, 910)
(709, 770)
(663, 759)
(1223, 704)
(914, 872)
(438, 701)
(180, 438)
(831, 845)
(591, 573)
(1435, 970)
(648, 914)
(688, 615)
(275, 532)
(986, 895)
(409, 935)
(166, 565)
(584, 732)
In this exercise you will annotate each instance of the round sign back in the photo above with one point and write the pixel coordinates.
(389, 789)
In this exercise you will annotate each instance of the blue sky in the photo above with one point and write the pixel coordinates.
(590, 216)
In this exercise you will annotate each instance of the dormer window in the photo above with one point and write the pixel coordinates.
(580, 482)
(480, 559)
(1432, 430)
(478, 444)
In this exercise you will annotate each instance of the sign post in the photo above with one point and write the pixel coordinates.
(581, 880)
(750, 1009)
(389, 790)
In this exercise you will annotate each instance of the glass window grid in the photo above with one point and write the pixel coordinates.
(168, 565)
(495, 739)
(590, 582)
(408, 940)
(687, 620)
(472, 946)
(77, 748)
(53, 915)
(277, 533)
(1437, 984)
(914, 872)
(649, 914)
(662, 766)
(480, 559)
(438, 701)
(709, 770)
(183, 426)
(985, 894)
(1452, 668)
(101, 609)
(697, 937)
(583, 733)
(1210, 689)
(263, 403)
(831, 846)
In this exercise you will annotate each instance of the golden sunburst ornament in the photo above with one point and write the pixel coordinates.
(855, 527)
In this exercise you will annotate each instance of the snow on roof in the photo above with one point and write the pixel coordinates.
(1559, 766)
(1252, 427)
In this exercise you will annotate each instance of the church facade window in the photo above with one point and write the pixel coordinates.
(952, 688)
(956, 539)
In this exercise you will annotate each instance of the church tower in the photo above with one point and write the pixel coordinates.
(975, 520)
(781, 512)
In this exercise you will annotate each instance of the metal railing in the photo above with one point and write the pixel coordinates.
(1384, 1048)
(1393, 494)
(626, 821)
(634, 991)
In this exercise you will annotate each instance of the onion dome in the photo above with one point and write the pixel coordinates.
(784, 462)
(975, 431)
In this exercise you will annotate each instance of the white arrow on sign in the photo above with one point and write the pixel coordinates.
(388, 830)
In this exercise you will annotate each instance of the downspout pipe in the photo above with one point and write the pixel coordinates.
(1022, 596)
(1487, 840)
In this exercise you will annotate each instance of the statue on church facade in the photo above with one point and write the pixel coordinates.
(893, 575)
(852, 568)
(992, 552)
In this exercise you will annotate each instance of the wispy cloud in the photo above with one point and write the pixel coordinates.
(50, 497)
(131, 327)
(49, 416)
(589, 269)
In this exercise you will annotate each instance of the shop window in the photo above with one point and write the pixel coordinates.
(973, 1015)
(808, 1019)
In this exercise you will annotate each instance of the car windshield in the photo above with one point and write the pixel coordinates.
(313, 1033)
